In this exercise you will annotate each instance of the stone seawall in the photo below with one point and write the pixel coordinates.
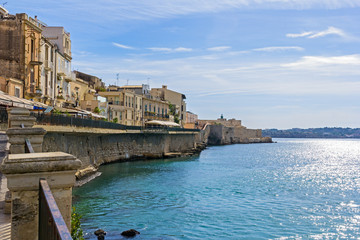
(96, 148)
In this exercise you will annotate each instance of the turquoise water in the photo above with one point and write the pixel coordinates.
(292, 189)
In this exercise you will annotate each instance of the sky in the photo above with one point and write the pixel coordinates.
(271, 63)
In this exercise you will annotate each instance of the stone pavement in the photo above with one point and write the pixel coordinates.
(5, 225)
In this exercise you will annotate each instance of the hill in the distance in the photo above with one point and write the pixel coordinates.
(326, 132)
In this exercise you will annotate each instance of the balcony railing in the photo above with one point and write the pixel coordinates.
(51, 223)
(156, 115)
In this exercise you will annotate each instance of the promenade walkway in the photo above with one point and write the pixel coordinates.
(5, 226)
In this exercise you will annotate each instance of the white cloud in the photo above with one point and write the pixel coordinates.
(182, 49)
(122, 46)
(219, 49)
(329, 31)
(315, 61)
(170, 50)
(160, 49)
(314, 34)
(273, 49)
(296, 35)
(114, 10)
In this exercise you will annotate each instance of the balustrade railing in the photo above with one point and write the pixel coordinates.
(51, 223)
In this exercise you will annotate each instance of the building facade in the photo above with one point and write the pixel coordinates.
(20, 38)
(47, 76)
(177, 100)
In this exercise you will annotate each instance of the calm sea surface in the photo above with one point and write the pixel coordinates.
(292, 189)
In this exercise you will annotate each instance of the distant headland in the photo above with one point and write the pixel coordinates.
(326, 132)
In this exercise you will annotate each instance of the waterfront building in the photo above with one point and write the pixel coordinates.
(191, 119)
(64, 76)
(47, 76)
(122, 106)
(20, 37)
(174, 98)
(155, 109)
(93, 82)
(143, 89)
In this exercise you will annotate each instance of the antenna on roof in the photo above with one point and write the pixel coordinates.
(127, 81)
(117, 79)
(148, 81)
(4, 4)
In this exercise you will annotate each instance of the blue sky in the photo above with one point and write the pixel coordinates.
(270, 63)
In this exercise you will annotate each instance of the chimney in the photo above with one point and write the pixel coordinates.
(164, 86)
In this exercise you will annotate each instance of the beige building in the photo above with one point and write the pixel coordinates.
(155, 109)
(174, 98)
(47, 78)
(64, 76)
(123, 107)
(20, 38)
(191, 120)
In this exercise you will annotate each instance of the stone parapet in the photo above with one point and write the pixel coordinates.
(23, 172)
(17, 138)
(18, 116)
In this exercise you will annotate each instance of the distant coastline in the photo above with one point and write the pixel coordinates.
(325, 132)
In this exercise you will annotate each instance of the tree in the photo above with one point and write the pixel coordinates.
(115, 120)
(76, 231)
(97, 110)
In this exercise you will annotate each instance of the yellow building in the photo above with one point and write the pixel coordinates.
(20, 38)
(79, 88)
(155, 109)
(174, 98)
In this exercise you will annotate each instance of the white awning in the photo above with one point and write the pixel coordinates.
(162, 123)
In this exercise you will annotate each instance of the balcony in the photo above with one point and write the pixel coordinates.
(71, 77)
(156, 116)
(32, 62)
(48, 66)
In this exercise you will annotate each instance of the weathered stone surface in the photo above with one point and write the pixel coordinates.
(96, 149)
(17, 138)
(39, 162)
(85, 172)
(130, 233)
(222, 135)
(23, 172)
(100, 234)
(18, 111)
(18, 116)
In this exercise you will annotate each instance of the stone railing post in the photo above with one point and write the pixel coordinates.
(17, 134)
(23, 172)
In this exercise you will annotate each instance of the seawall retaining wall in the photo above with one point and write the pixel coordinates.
(99, 148)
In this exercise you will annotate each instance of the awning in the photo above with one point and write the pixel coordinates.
(162, 123)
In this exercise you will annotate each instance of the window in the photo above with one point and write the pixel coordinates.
(32, 49)
(150, 107)
(51, 79)
(17, 92)
(46, 83)
(145, 108)
(46, 56)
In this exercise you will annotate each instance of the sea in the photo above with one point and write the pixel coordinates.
(291, 189)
